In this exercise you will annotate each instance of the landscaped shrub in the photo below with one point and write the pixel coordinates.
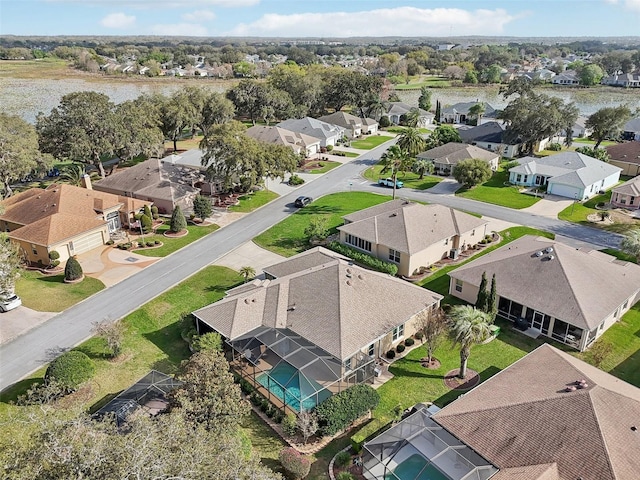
(384, 122)
(73, 269)
(329, 148)
(150, 244)
(289, 424)
(339, 411)
(208, 341)
(147, 211)
(554, 147)
(146, 223)
(202, 207)
(295, 180)
(391, 354)
(70, 370)
(178, 222)
(343, 459)
(418, 335)
(53, 258)
(294, 463)
(344, 476)
(400, 348)
(409, 341)
(154, 212)
(110, 242)
(364, 259)
(156, 242)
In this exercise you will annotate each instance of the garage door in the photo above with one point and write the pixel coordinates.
(88, 242)
(564, 190)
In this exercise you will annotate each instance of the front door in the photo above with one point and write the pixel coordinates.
(538, 318)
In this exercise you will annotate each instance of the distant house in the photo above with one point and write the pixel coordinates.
(580, 129)
(628, 80)
(625, 155)
(567, 174)
(631, 129)
(571, 295)
(445, 157)
(627, 195)
(298, 142)
(352, 125)
(398, 109)
(327, 133)
(411, 235)
(459, 113)
(568, 77)
(157, 181)
(369, 126)
(490, 137)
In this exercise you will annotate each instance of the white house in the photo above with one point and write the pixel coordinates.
(398, 109)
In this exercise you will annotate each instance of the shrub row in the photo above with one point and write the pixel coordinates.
(266, 406)
(364, 259)
(339, 411)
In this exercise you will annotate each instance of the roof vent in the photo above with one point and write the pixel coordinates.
(549, 249)
(550, 257)
(571, 388)
(360, 277)
(247, 301)
(634, 428)
(348, 269)
(349, 282)
(539, 253)
(393, 215)
(291, 308)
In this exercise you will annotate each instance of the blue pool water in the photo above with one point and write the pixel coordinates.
(408, 470)
(285, 374)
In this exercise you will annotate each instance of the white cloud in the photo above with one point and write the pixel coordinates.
(118, 20)
(400, 21)
(632, 4)
(198, 16)
(180, 30)
(165, 3)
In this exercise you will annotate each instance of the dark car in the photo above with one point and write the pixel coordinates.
(303, 201)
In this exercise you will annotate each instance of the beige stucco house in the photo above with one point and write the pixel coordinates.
(446, 157)
(300, 143)
(627, 195)
(625, 155)
(571, 295)
(411, 235)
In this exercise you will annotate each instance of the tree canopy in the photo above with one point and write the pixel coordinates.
(607, 123)
(472, 172)
(469, 326)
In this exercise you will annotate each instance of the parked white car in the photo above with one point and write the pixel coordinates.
(9, 301)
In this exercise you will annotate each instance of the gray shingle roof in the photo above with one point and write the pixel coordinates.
(632, 125)
(453, 152)
(312, 127)
(490, 132)
(313, 257)
(523, 416)
(400, 108)
(281, 136)
(463, 107)
(410, 227)
(342, 119)
(581, 287)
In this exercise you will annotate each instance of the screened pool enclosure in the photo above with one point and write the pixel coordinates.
(293, 373)
(418, 448)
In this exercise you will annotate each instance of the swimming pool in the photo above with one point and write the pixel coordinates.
(409, 468)
(285, 374)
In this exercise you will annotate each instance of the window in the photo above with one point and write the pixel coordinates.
(458, 285)
(398, 332)
(526, 179)
(626, 303)
(371, 350)
(394, 255)
(358, 242)
(518, 178)
(347, 364)
(34, 249)
(615, 314)
(632, 200)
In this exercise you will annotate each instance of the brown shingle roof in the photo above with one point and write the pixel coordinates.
(628, 152)
(55, 228)
(452, 153)
(341, 308)
(410, 227)
(523, 417)
(630, 187)
(581, 287)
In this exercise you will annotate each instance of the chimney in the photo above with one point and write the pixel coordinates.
(86, 182)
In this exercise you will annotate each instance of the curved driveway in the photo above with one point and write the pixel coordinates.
(35, 348)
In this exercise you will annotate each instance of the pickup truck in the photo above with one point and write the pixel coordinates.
(388, 182)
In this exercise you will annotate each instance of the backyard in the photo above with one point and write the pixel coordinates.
(410, 179)
(499, 192)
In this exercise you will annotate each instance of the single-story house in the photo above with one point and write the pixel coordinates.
(327, 133)
(369, 126)
(580, 129)
(300, 143)
(628, 80)
(352, 125)
(627, 195)
(447, 156)
(548, 416)
(631, 129)
(397, 109)
(411, 235)
(568, 77)
(625, 155)
(318, 329)
(571, 295)
(459, 112)
(65, 218)
(489, 136)
(155, 180)
(567, 174)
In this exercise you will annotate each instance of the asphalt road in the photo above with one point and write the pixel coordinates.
(37, 347)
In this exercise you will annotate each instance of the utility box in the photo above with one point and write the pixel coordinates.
(453, 254)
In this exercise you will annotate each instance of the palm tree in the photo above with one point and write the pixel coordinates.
(477, 111)
(412, 141)
(422, 166)
(376, 108)
(631, 243)
(247, 272)
(469, 326)
(72, 174)
(412, 117)
(396, 159)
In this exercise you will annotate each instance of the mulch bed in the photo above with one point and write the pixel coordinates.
(434, 364)
(77, 280)
(452, 381)
(179, 234)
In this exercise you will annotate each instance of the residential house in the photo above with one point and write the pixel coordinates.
(447, 156)
(625, 155)
(155, 180)
(327, 133)
(352, 125)
(65, 218)
(548, 416)
(398, 109)
(568, 77)
(317, 329)
(369, 126)
(631, 129)
(490, 137)
(580, 129)
(446, 46)
(300, 143)
(567, 174)
(411, 235)
(628, 80)
(571, 295)
(627, 195)
(459, 113)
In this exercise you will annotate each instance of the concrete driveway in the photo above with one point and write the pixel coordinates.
(448, 186)
(111, 265)
(19, 320)
(249, 254)
(550, 206)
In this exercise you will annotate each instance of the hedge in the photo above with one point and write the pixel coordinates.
(70, 370)
(339, 411)
(364, 259)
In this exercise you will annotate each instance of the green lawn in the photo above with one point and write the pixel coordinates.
(326, 166)
(170, 245)
(345, 154)
(370, 141)
(424, 81)
(398, 129)
(251, 201)
(287, 237)
(264, 441)
(49, 293)
(579, 211)
(410, 179)
(495, 191)
(586, 141)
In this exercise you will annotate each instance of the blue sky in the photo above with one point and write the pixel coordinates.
(318, 18)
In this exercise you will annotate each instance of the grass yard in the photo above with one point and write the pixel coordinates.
(170, 245)
(424, 81)
(322, 166)
(398, 129)
(579, 211)
(370, 141)
(287, 237)
(49, 293)
(345, 154)
(410, 179)
(184, 144)
(251, 201)
(496, 192)
(264, 441)
(590, 143)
